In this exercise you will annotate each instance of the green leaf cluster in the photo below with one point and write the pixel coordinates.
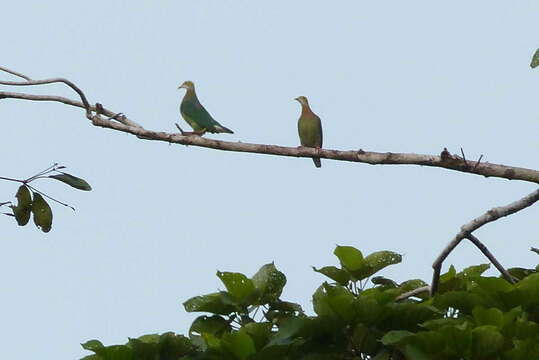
(473, 317)
(31, 201)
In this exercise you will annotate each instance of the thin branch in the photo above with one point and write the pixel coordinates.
(10, 179)
(467, 229)
(413, 292)
(52, 81)
(50, 197)
(491, 257)
(15, 73)
(373, 158)
(122, 123)
(63, 100)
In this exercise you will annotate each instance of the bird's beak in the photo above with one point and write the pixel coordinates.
(180, 87)
(297, 99)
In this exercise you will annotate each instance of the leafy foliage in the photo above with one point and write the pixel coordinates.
(473, 317)
(31, 201)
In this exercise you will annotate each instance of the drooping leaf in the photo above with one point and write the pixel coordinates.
(209, 324)
(535, 60)
(72, 181)
(269, 282)
(339, 275)
(334, 301)
(24, 205)
(214, 303)
(42, 213)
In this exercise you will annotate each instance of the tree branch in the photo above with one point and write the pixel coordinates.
(49, 81)
(63, 100)
(122, 123)
(491, 257)
(445, 160)
(413, 292)
(467, 229)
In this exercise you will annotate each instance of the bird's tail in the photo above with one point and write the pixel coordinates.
(222, 129)
(317, 162)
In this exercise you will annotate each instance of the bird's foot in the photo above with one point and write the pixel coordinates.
(190, 133)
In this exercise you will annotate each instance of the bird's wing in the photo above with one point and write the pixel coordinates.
(197, 113)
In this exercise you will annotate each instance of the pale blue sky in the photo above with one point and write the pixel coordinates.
(412, 76)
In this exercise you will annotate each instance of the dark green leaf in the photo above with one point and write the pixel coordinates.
(520, 273)
(259, 332)
(214, 325)
(73, 181)
(334, 301)
(375, 262)
(144, 350)
(491, 316)
(270, 283)
(475, 270)
(24, 205)
(92, 345)
(285, 306)
(396, 336)
(367, 310)
(214, 303)
(535, 60)
(486, 342)
(42, 213)
(173, 347)
(380, 280)
(334, 273)
(239, 286)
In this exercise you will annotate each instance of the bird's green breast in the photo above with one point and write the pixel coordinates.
(310, 130)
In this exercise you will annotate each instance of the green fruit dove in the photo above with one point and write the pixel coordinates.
(309, 128)
(196, 115)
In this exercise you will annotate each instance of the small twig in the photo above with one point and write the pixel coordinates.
(179, 128)
(464, 158)
(47, 170)
(413, 292)
(50, 198)
(491, 257)
(15, 73)
(477, 163)
(5, 203)
(467, 229)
